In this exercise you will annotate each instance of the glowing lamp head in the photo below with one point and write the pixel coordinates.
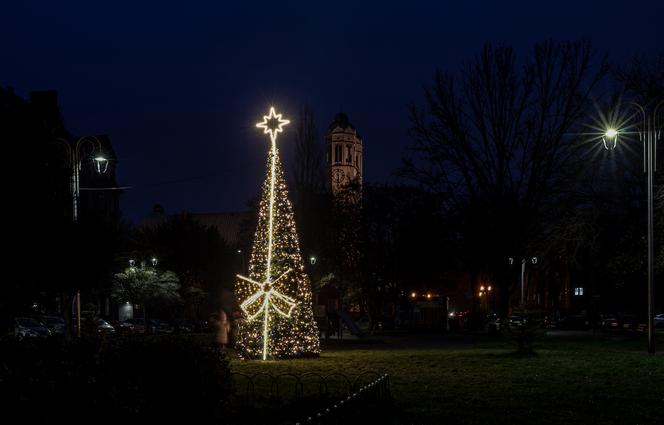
(489, 288)
(413, 295)
(429, 296)
(101, 163)
(610, 138)
(482, 288)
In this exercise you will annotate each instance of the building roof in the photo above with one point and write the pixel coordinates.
(341, 121)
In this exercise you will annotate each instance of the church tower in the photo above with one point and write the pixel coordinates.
(344, 154)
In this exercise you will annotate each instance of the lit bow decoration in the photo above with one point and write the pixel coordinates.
(266, 297)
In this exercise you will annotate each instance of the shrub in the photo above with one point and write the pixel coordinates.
(126, 379)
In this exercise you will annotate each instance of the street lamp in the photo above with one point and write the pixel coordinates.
(239, 251)
(532, 260)
(650, 133)
(75, 154)
(610, 138)
(101, 163)
(485, 293)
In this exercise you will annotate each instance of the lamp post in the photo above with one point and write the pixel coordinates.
(241, 254)
(649, 134)
(533, 260)
(485, 293)
(75, 154)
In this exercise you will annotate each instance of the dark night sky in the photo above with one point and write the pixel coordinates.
(179, 86)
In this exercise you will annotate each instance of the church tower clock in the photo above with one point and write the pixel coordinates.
(344, 154)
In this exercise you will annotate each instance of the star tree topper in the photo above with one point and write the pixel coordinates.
(272, 124)
(267, 298)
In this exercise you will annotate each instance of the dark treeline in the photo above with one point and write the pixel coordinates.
(506, 161)
(54, 256)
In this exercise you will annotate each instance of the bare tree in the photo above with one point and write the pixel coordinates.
(643, 79)
(312, 203)
(308, 170)
(494, 143)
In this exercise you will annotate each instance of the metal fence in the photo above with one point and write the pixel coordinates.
(309, 398)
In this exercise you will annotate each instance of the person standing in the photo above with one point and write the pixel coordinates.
(222, 329)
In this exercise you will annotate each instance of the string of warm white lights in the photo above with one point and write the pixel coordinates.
(292, 331)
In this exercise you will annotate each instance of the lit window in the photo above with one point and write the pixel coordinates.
(578, 291)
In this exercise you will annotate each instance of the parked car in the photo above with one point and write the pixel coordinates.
(188, 326)
(516, 321)
(610, 322)
(633, 323)
(159, 326)
(363, 323)
(494, 326)
(88, 323)
(574, 323)
(549, 323)
(26, 327)
(103, 327)
(55, 324)
(132, 326)
(183, 326)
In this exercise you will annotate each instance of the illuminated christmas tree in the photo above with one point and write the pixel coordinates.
(276, 297)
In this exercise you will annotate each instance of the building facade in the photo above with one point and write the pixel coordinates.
(344, 154)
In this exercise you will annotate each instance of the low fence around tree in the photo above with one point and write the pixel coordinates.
(310, 398)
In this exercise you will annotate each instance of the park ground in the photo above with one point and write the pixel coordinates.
(573, 378)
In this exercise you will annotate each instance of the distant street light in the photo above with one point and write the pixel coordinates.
(485, 290)
(312, 260)
(650, 133)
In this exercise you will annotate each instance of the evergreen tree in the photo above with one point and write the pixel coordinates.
(276, 297)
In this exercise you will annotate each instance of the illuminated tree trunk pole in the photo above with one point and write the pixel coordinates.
(266, 314)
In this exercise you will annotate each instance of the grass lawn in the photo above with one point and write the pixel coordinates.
(571, 380)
